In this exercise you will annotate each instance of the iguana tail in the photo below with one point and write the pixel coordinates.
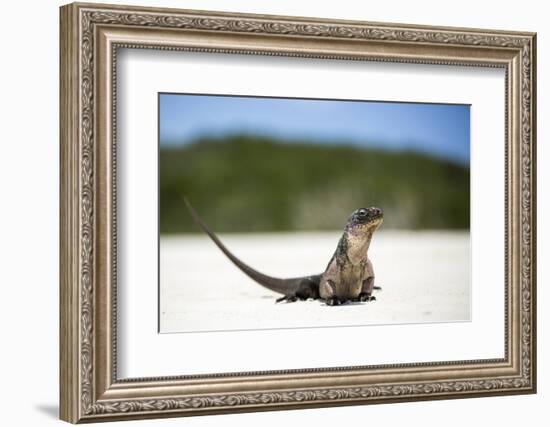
(300, 287)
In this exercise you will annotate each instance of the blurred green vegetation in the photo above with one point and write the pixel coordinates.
(247, 183)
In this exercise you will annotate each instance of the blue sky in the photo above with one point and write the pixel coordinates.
(441, 130)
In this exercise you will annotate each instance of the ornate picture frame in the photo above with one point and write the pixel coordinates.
(90, 37)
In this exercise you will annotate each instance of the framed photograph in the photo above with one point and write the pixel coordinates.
(266, 212)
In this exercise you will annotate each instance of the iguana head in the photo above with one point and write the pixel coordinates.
(365, 219)
(357, 236)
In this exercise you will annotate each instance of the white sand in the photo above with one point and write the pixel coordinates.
(425, 277)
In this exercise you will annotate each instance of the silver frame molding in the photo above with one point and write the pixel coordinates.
(90, 37)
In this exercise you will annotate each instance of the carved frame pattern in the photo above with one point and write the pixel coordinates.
(80, 401)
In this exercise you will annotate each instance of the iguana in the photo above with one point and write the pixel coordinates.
(349, 275)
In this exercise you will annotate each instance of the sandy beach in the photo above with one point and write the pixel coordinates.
(425, 277)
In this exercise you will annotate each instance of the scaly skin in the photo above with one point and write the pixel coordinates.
(349, 275)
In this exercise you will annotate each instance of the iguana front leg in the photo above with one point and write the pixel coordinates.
(368, 284)
(328, 292)
(366, 290)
